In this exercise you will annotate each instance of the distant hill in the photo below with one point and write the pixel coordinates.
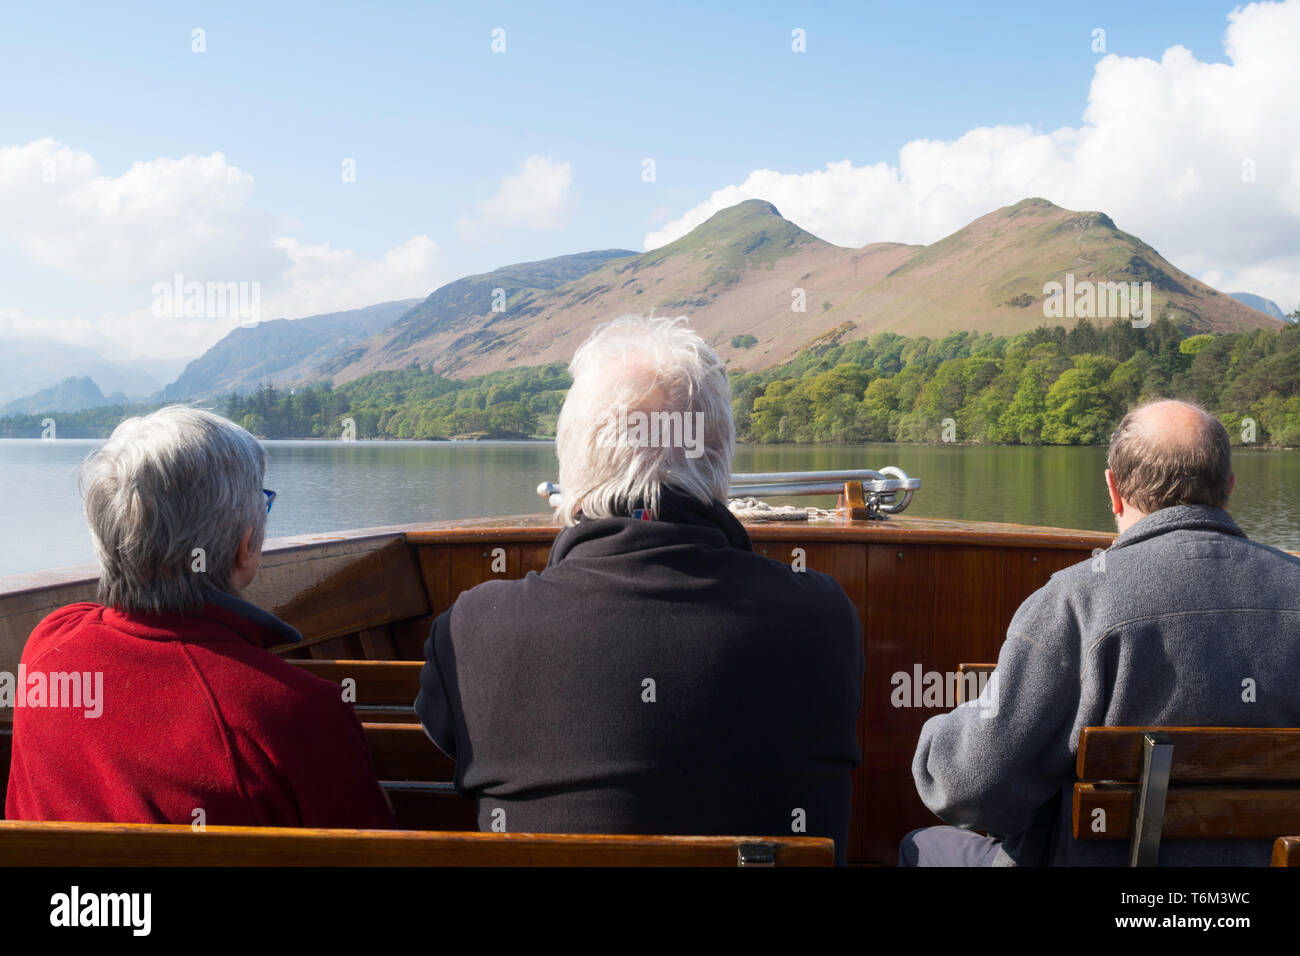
(280, 351)
(739, 274)
(1267, 306)
(460, 315)
(30, 365)
(70, 395)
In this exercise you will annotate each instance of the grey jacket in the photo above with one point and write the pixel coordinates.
(1171, 628)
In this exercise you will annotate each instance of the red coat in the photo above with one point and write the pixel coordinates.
(196, 714)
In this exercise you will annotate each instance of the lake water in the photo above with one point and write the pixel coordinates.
(330, 486)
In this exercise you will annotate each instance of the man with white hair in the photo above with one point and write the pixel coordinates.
(193, 719)
(658, 676)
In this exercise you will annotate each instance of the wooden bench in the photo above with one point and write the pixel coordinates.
(1184, 783)
(136, 844)
(385, 691)
(1143, 784)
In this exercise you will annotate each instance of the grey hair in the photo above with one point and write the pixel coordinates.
(1153, 471)
(653, 367)
(162, 486)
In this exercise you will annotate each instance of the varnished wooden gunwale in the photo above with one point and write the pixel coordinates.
(146, 845)
(897, 529)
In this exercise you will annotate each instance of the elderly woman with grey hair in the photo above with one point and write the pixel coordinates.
(193, 718)
(658, 676)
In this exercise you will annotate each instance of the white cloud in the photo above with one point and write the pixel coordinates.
(159, 217)
(191, 216)
(120, 336)
(1163, 148)
(323, 279)
(536, 197)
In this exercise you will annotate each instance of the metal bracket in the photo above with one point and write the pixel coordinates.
(756, 854)
(1153, 788)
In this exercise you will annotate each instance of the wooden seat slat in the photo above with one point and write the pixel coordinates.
(378, 683)
(123, 844)
(1191, 813)
(387, 714)
(1200, 753)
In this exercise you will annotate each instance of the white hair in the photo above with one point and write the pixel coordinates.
(162, 486)
(654, 371)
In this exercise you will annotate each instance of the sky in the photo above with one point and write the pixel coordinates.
(343, 154)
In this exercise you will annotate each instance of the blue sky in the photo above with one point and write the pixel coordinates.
(435, 121)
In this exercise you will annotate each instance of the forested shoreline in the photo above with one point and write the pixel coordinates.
(1051, 386)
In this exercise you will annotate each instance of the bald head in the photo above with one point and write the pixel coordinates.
(1179, 424)
(1168, 453)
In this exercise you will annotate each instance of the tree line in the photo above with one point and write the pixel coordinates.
(409, 403)
(1052, 386)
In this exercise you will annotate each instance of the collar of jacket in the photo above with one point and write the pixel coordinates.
(1178, 518)
(248, 621)
(680, 519)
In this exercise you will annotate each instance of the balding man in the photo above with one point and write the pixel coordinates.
(1166, 627)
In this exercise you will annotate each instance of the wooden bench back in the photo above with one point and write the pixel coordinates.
(417, 777)
(1201, 754)
(133, 844)
(1220, 783)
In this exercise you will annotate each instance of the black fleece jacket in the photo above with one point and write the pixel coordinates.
(657, 677)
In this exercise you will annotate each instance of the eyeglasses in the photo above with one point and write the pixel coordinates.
(270, 499)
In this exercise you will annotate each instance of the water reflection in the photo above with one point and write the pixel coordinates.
(328, 486)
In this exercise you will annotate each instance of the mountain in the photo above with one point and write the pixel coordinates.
(745, 271)
(280, 351)
(70, 395)
(460, 314)
(1267, 306)
(30, 365)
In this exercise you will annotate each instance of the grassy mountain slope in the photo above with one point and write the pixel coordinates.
(459, 316)
(745, 271)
